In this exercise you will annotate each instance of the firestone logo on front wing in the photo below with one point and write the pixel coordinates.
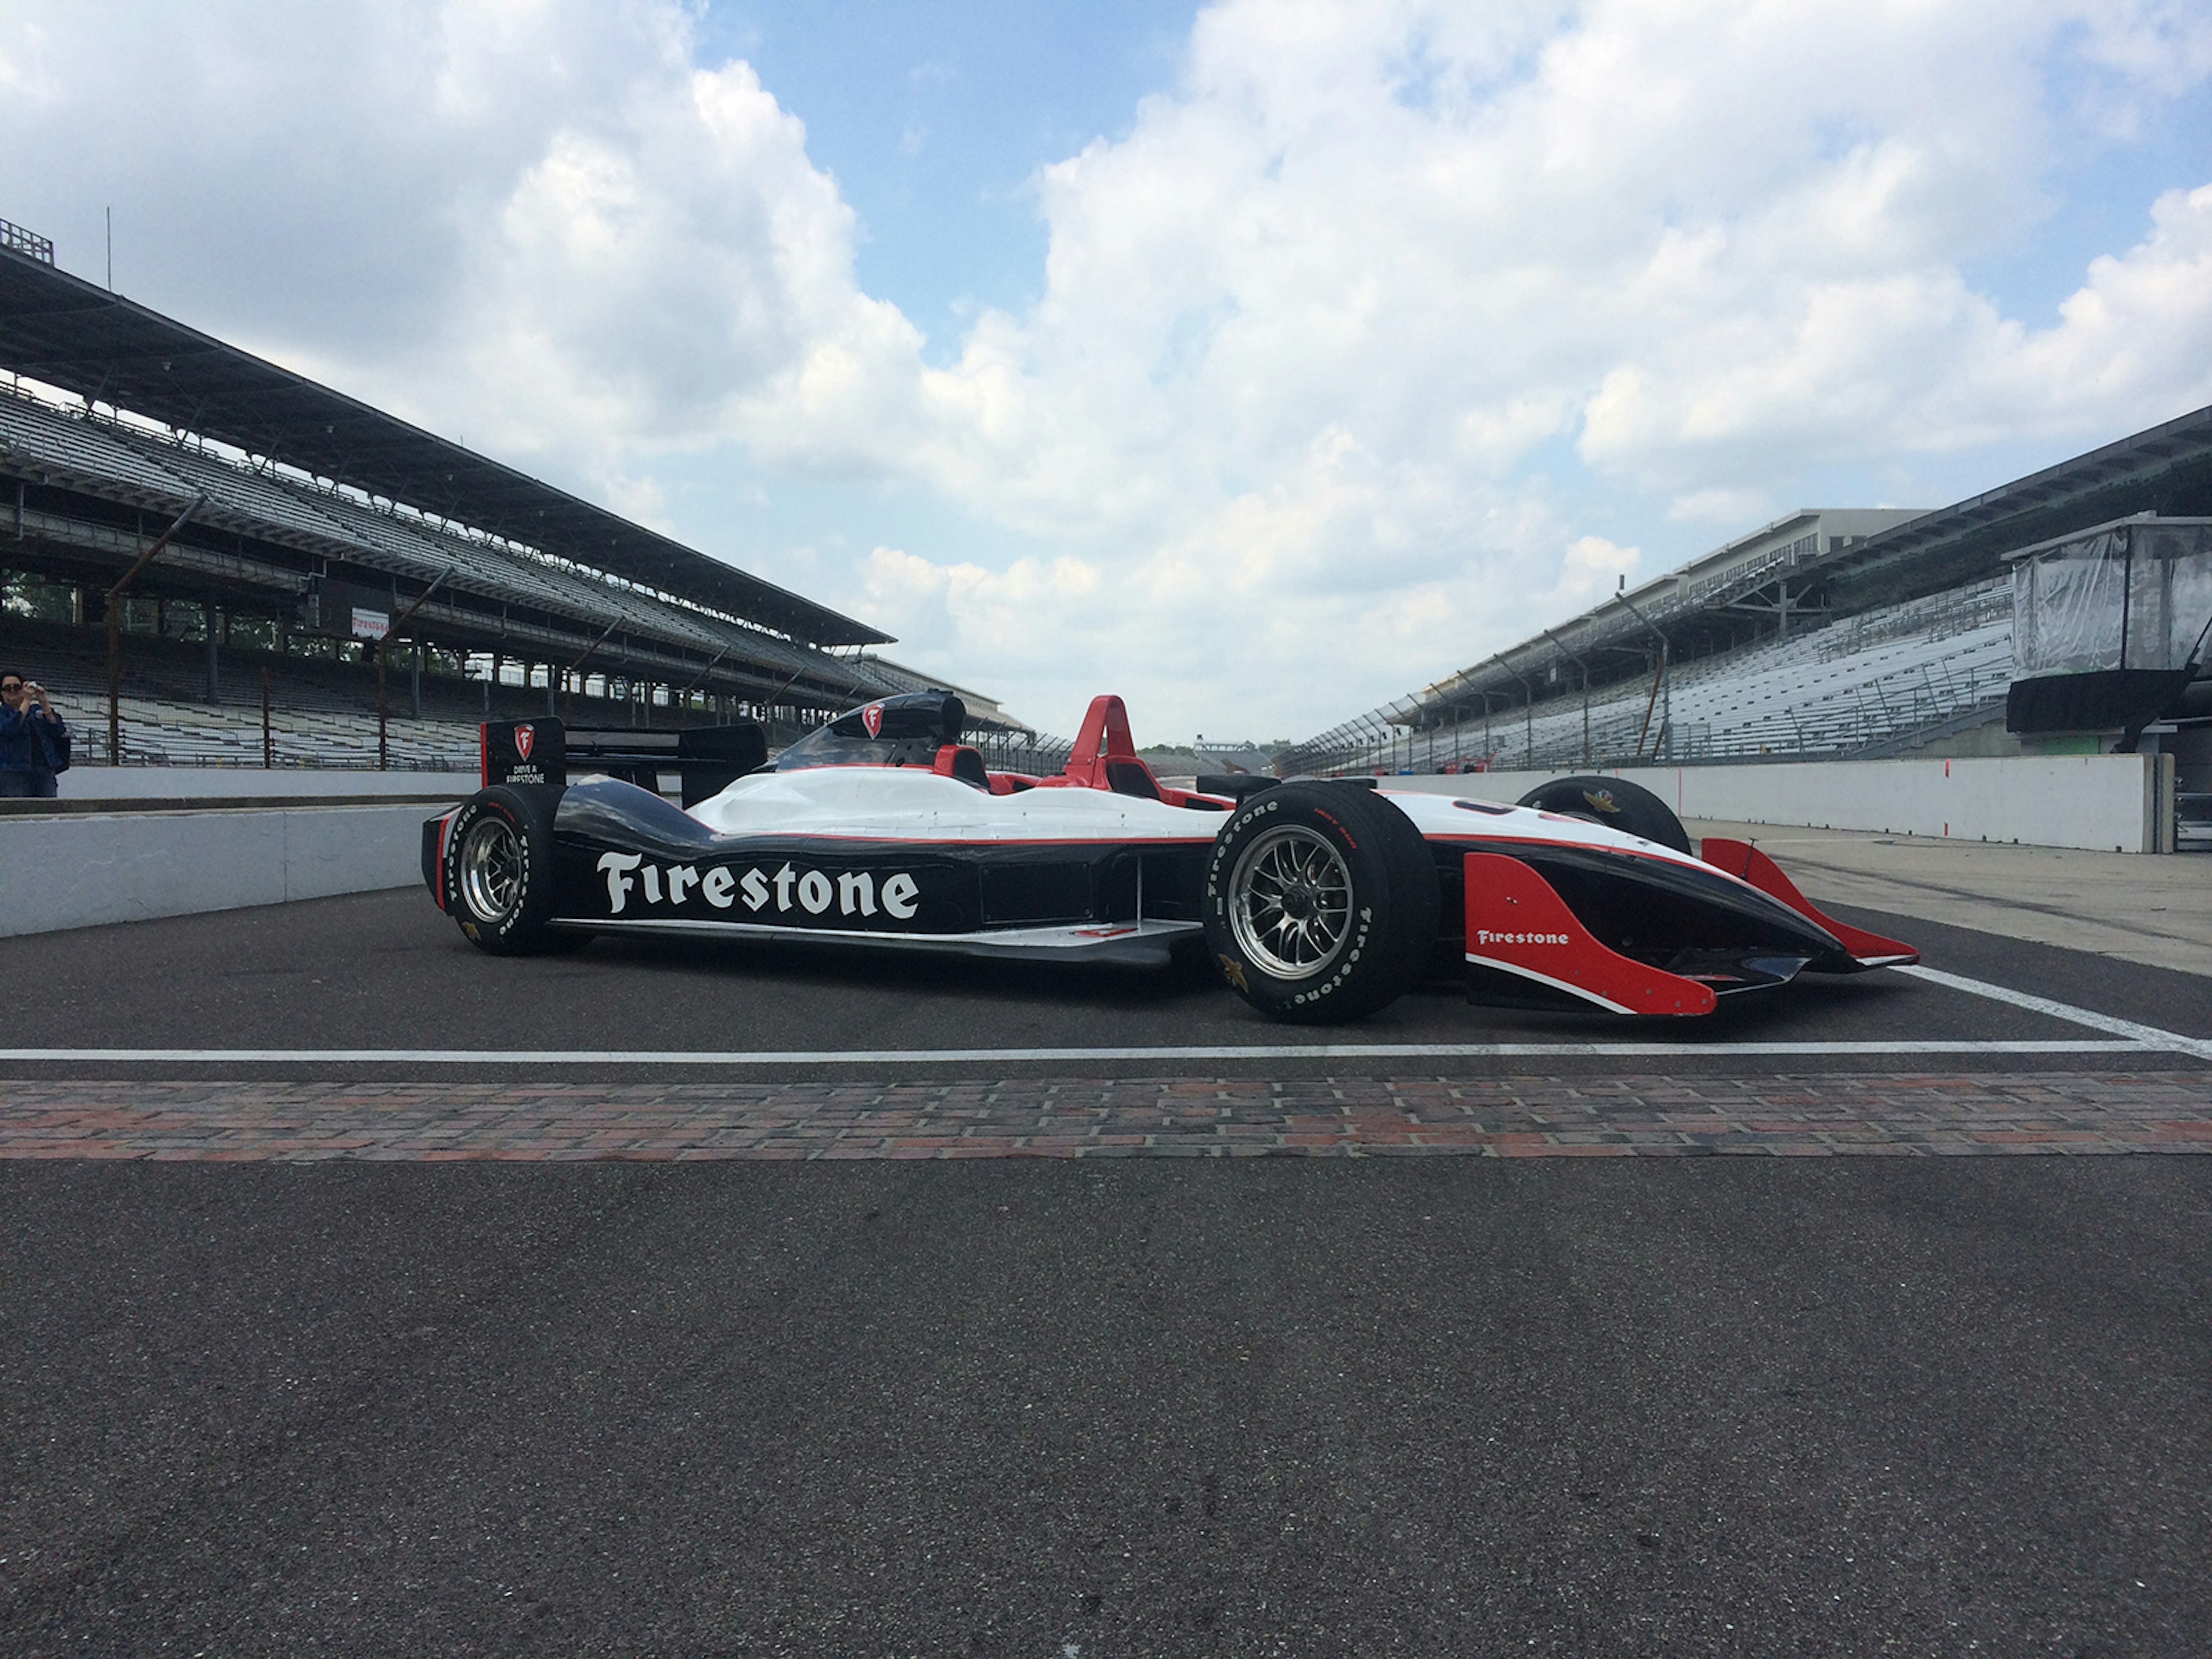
(1484, 936)
(789, 891)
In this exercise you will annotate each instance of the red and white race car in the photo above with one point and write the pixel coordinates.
(1319, 900)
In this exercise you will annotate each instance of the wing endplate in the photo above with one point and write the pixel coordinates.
(1516, 921)
(1741, 858)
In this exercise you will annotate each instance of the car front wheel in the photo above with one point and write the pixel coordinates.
(1321, 903)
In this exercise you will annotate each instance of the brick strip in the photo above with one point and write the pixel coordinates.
(1883, 1113)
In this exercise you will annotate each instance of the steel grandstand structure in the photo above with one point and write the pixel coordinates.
(1825, 635)
(297, 536)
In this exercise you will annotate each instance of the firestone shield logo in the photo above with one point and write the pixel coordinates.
(524, 737)
(873, 718)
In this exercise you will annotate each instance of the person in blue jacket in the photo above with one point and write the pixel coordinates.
(31, 735)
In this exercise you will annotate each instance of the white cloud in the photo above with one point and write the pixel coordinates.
(1592, 568)
(1722, 509)
(999, 616)
(1915, 360)
(680, 273)
(1339, 348)
(2140, 329)
(1311, 327)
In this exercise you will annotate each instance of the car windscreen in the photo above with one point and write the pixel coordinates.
(829, 747)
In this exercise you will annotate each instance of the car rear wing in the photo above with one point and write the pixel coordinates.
(707, 758)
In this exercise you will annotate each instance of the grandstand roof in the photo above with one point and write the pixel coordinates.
(1885, 557)
(1835, 563)
(66, 332)
(1605, 639)
(2166, 469)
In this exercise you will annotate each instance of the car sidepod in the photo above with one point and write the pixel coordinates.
(628, 860)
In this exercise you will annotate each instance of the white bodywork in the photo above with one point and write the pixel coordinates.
(906, 803)
(895, 803)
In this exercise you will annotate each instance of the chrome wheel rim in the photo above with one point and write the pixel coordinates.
(1290, 902)
(491, 869)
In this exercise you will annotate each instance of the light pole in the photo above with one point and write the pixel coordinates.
(383, 654)
(1528, 714)
(113, 606)
(1661, 688)
(1583, 668)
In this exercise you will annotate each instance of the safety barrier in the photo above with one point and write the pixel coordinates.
(81, 868)
(81, 863)
(126, 785)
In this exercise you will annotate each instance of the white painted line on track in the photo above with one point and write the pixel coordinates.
(1010, 1056)
(2150, 1037)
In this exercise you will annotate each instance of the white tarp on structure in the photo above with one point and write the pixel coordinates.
(2133, 594)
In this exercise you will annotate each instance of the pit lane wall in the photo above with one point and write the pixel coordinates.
(132, 844)
(135, 786)
(2102, 802)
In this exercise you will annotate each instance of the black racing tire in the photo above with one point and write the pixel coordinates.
(1321, 903)
(496, 874)
(1615, 803)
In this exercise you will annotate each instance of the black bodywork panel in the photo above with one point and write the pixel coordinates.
(847, 884)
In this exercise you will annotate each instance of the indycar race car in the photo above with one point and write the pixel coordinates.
(1319, 900)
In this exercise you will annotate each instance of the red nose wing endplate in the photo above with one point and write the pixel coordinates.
(1740, 858)
(1517, 922)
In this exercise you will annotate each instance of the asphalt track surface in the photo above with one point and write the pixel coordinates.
(386, 972)
(1351, 1405)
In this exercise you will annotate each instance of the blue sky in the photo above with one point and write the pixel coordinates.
(1259, 361)
(933, 117)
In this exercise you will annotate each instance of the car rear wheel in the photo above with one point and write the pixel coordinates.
(1321, 903)
(498, 875)
(1615, 803)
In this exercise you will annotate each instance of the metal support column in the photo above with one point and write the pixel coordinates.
(115, 608)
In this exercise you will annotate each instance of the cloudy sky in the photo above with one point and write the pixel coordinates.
(1259, 360)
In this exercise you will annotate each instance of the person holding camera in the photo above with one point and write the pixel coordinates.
(32, 740)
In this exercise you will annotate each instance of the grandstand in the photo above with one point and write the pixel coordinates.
(297, 535)
(1825, 635)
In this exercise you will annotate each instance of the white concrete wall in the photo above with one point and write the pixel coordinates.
(2101, 802)
(204, 782)
(83, 869)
